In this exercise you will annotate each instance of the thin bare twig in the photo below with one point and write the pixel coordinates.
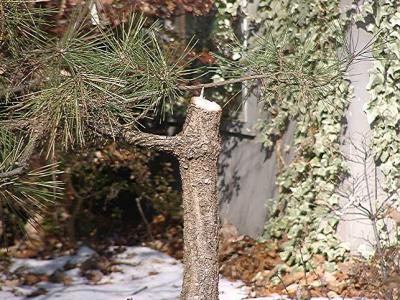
(146, 222)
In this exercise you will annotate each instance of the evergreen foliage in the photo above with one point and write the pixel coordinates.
(61, 91)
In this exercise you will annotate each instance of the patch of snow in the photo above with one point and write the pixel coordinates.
(205, 104)
(83, 254)
(144, 274)
(48, 267)
(40, 267)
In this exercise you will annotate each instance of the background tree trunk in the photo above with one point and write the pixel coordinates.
(198, 156)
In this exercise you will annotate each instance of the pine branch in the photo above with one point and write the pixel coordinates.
(225, 82)
(23, 161)
(136, 137)
(147, 140)
(32, 84)
(21, 87)
(151, 141)
(24, 190)
(274, 76)
(141, 139)
(102, 76)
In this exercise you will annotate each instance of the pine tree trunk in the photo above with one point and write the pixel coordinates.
(198, 166)
(197, 148)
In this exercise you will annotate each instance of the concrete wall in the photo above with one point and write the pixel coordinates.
(353, 228)
(247, 180)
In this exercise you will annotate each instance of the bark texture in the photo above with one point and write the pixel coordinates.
(198, 166)
(151, 141)
(197, 148)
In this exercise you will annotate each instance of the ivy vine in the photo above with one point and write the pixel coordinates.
(383, 109)
(301, 214)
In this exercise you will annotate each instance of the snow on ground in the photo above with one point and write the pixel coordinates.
(145, 274)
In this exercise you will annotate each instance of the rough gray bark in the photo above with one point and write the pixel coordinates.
(151, 141)
(198, 166)
(197, 148)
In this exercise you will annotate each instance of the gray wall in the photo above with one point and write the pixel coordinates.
(247, 180)
(353, 228)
